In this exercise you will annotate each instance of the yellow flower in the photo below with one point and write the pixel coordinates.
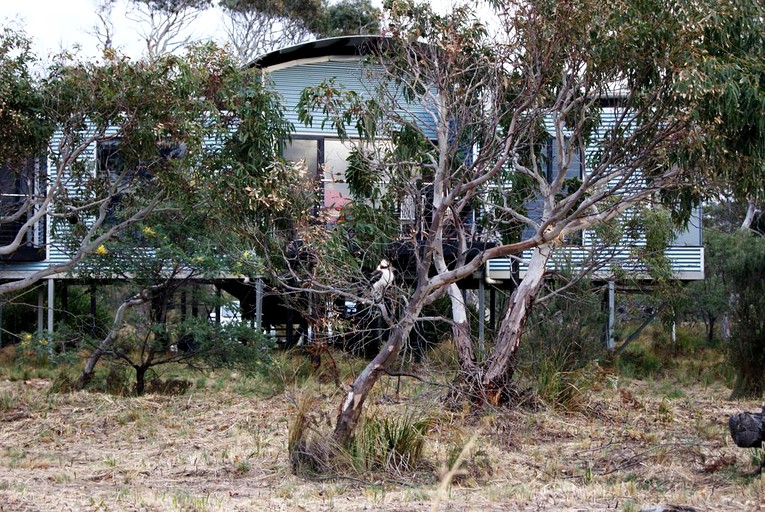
(149, 232)
(26, 339)
(102, 251)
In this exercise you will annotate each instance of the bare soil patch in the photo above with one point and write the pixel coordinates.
(633, 445)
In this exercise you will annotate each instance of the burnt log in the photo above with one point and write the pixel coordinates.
(747, 428)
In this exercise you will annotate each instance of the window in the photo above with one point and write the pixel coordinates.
(126, 174)
(327, 159)
(552, 169)
(18, 186)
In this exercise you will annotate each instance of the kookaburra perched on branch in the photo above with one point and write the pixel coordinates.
(384, 273)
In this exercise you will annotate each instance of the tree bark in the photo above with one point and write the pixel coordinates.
(350, 410)
(461, 330)
(140, 379)
(711, 329)
(751, 211)
(103, 347)
(499, 366)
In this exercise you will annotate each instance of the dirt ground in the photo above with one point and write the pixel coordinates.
(632, 445)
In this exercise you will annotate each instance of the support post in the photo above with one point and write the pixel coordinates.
(51, 306)
(218, 298)
(610, 341)
(259, 304)
(492, 308)
(40, 312)
(481, 318)
(93, 309)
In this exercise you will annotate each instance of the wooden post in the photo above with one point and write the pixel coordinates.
(259, 304)
(218, 298)
(492, 308)
(481, 318)
(51, 306)
(610, 341)
(40, 312)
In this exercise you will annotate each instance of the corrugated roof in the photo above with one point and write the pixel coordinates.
(346, 45)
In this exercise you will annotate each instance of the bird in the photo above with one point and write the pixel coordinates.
(385, 273)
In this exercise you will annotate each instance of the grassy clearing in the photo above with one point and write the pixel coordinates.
(222, 444)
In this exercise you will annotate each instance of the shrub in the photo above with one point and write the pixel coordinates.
(562, 336)
(390, 443)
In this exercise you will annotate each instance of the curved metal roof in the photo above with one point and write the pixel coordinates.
(346, 45)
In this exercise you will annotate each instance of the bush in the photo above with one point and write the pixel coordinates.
(561, 338)
(390, 443)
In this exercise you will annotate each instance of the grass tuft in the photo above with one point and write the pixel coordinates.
(390, 443)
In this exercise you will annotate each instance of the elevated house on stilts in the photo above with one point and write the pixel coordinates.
(325, 154)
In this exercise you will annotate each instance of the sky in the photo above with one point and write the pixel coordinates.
(56, 25)
(61, 24)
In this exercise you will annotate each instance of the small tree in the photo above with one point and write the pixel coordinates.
(254, 27)
(189, 234)
(744, 268)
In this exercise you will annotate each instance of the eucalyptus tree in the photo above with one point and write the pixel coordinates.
(146, 109)
(254, 27)
(727, 89)
(474, 113)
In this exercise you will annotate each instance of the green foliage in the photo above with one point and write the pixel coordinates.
(639, 362)
(746, 347)
(726, 87)
(304, 11)
(346, 17)
(562, 337)
(174, 6)
(658, 229)
(390, 443)
(25, 127)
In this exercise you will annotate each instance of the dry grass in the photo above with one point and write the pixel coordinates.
(632, 444)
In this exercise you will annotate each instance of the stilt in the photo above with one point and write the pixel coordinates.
(218, 299)
(40, 311)
(492, 308)
(259, 303)
(51, 307)
(481, 318)
(610, 341)
(289, 329)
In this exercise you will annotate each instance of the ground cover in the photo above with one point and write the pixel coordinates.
(222, 445)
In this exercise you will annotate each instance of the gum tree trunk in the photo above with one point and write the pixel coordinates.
(103, 347)
(352, 406)
(500, 365)
(461, 330)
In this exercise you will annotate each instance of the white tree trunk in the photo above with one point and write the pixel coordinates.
(499, 365)
(751, 211)
(461, 329)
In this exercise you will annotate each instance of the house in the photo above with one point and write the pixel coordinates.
(291, 70)
(341, 59)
